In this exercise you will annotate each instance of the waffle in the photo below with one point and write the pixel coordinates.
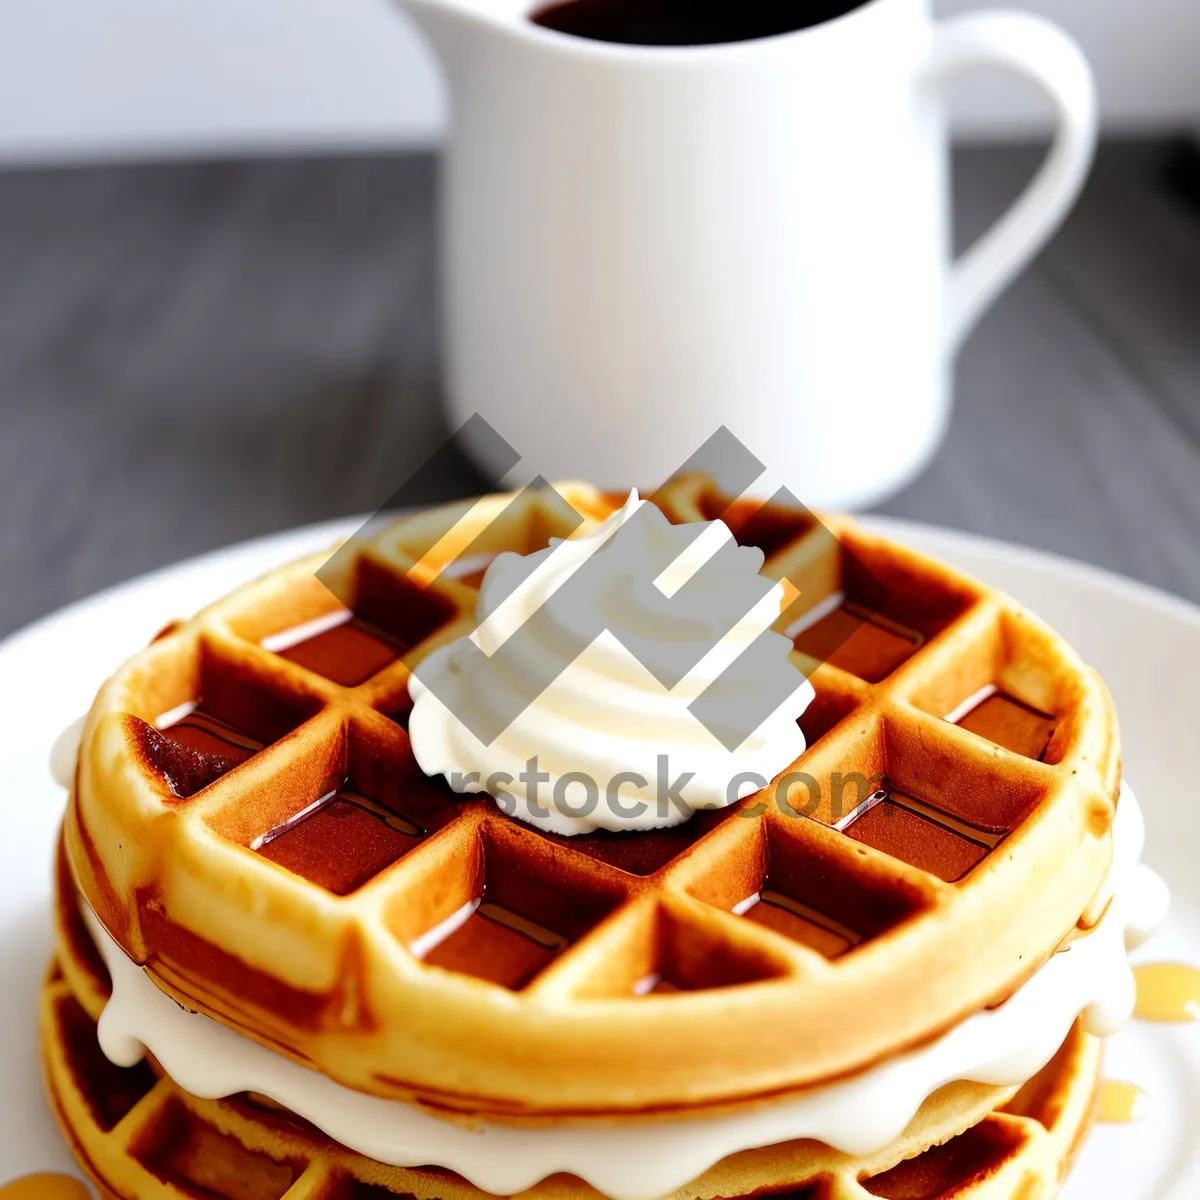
(139, 1136)
(248, 821)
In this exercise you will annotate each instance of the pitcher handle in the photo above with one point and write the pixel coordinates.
(1041, 50)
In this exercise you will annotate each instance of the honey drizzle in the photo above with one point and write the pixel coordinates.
(49, 1185)
(1167, 991)
(1122, 1103)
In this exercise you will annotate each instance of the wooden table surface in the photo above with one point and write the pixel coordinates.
(194, 354)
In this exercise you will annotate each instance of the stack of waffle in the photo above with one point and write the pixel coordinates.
(319, 973)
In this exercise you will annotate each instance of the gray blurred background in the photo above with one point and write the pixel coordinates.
(218, 309)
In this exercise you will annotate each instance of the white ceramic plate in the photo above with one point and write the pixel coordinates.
(1145, 643)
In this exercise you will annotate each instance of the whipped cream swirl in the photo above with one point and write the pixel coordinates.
(592, 729)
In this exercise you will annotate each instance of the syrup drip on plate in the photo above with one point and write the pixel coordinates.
(45, 1186)
(1122, 1103)
(1167, 991)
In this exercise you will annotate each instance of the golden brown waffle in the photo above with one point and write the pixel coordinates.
(139, 1136)
(273, 855)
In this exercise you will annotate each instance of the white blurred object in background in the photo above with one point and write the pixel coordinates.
(642, 243)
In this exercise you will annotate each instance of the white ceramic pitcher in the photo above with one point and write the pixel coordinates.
(640, 243)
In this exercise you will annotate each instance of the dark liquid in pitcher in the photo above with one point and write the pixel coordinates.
(687, 22)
